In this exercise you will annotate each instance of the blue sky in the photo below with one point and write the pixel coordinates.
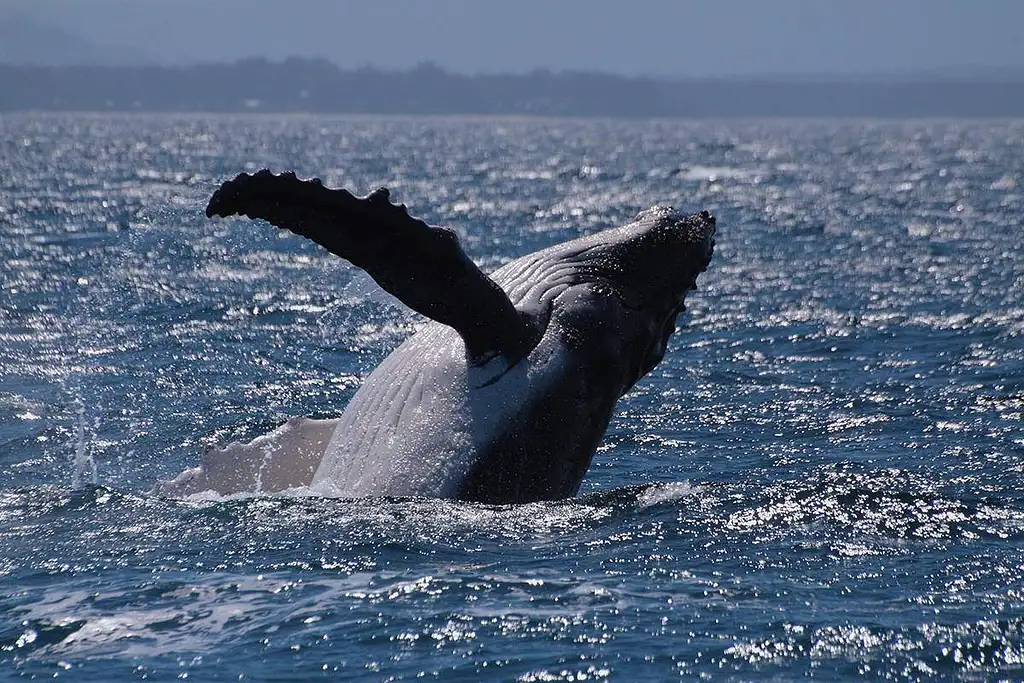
(661, 37)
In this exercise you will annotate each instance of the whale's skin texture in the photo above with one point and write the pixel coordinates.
(499, 434)
(520, 423)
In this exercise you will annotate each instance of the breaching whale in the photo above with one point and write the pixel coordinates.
(505, 395)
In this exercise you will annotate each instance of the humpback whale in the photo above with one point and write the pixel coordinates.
(505, 394)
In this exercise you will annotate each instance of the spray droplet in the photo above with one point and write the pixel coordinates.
(85, 466)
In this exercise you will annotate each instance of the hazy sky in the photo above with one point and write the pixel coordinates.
(663, 37)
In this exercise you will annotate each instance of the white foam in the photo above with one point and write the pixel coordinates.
(666, 493)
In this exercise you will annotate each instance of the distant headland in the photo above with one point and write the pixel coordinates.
(318, 86)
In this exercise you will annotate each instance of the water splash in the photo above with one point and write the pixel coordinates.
(85, 472)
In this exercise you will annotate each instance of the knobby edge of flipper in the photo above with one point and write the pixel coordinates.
(423, 266)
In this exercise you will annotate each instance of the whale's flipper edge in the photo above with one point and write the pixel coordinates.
(423, 266)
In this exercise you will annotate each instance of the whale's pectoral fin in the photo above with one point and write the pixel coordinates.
(423, 266)
(283, 459)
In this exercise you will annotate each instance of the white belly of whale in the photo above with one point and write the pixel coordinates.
(415, 428)
(423, 417)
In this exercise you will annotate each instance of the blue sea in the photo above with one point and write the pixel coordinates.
(823, 479)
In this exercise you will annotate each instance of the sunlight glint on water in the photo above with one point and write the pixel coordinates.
(822, 479)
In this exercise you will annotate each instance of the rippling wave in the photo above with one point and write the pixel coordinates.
(822, 478)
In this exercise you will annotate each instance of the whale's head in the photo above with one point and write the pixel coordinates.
(612, 298)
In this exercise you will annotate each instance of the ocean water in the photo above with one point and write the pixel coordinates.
(823, 479)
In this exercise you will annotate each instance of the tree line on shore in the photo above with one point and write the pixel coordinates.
(317, 86)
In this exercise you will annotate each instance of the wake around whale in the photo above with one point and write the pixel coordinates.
(505, 395)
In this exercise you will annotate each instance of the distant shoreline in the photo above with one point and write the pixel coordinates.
(302, 86)
(469, 118)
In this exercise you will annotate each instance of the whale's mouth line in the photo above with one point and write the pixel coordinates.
(657, 305)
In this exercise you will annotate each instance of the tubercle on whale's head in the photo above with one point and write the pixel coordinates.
(665, 258)
(655, 260)
(637, 278)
